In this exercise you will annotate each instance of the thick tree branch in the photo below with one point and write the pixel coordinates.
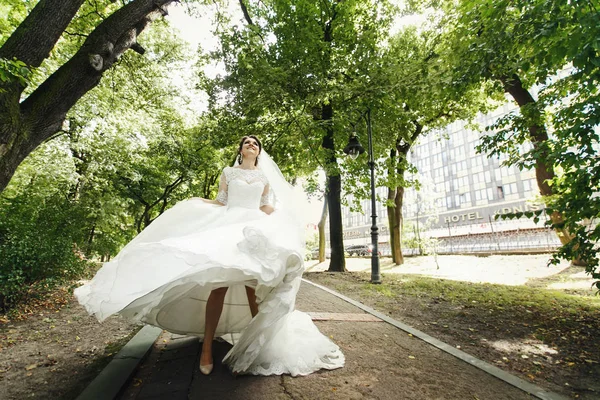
(35, 37)
(537, 131)
(43, 113)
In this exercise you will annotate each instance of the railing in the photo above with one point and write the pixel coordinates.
(521, 241)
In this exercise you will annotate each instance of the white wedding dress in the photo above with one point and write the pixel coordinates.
(164, 276)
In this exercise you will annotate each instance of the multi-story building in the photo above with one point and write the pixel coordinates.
(461, 192)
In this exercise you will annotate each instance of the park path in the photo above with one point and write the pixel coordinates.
(382, 362)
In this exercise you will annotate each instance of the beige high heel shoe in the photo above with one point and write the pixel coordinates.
(206, 369)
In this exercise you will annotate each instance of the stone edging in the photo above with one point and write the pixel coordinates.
(115, 375)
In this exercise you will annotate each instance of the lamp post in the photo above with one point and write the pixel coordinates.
(354, 149)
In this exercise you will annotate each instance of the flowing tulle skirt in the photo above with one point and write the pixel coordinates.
(164, 277)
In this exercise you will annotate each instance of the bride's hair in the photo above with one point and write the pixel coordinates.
(239, 158)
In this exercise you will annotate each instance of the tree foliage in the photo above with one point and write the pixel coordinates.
(125, 153)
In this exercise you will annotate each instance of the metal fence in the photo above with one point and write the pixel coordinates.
(517, 241)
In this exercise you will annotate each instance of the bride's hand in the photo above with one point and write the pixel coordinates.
(267, 209)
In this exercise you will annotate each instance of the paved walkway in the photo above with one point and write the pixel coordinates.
(382, 362)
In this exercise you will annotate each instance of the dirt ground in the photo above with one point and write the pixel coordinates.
(552, 348)
(56, 349)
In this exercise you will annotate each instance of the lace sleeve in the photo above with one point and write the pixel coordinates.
(222, 195)
(265, 198)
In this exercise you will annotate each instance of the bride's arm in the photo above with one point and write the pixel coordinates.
(264, 201)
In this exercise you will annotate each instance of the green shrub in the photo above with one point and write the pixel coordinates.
(36, 246)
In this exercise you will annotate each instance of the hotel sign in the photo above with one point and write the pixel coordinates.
(477, 215)
(484, 213)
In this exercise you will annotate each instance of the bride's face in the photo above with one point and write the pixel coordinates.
(250, 148)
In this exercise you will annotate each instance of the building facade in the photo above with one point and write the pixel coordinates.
(461, 192)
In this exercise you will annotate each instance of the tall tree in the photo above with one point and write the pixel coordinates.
(410, 97)
(304, 78)
(131, 128)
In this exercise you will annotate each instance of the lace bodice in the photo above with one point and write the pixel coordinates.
(247, 188)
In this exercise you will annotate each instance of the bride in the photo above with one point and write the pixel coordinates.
(230, 266)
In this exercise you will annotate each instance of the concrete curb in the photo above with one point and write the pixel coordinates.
(115, 375)
(519, 383)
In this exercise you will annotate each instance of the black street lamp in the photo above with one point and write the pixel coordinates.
(354, 149)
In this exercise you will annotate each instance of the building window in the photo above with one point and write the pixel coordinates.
(510, 188)
(465, 198)
(500, 192)
(529, 185)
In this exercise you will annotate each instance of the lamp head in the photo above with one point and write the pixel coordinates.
(353, 148)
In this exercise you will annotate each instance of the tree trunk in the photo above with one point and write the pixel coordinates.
(321, 225)
(210, 179)
(81, 167)
(24, 126)
(37, 35)
(90, 239)
(395, 229)
(146, 217)
(30, 43)
(417, 228)
(333, 193)
(395, 224)
(395, 217)
(399, 221)
(334, 181)
(538, 135)
(140, 220)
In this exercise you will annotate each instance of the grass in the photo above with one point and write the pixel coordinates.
(384, 290)
(491, 295)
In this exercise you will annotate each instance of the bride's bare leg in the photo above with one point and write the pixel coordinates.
(252, 301)
(214, 307)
